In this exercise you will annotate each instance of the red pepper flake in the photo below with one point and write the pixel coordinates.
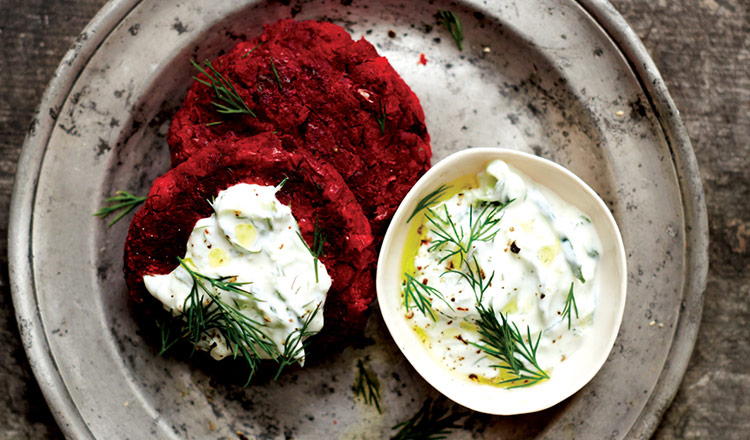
(422, 59)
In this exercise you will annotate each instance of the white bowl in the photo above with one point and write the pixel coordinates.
(583, 364)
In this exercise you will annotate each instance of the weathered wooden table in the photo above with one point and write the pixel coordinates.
(702, 48)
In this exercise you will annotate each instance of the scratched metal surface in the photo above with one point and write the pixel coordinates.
(541, 76)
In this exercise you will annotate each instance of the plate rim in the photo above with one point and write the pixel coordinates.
(693, 204)
(602, 12)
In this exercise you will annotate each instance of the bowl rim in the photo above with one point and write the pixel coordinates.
(441, 379)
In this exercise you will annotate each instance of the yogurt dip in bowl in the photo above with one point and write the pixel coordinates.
(502, 279)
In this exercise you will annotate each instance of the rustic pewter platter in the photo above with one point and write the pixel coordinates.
(567, 80)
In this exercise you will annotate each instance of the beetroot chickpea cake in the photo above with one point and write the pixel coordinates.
(308, 104)
(159, 231)
(331, 96)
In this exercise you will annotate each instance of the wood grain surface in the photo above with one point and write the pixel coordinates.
(702, 48)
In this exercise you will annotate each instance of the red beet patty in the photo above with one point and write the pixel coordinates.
(177, 200)
(325, 94)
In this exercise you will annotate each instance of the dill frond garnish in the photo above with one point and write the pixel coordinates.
(316, 251)
(380, 117)
(570, 300)
(473, 276)
(367, 386)
(220, 283)
(122, 201)
(450, 21)
(429, 200)
(250, 51)
(201, 316)
(275, 73)
(421, 295)
(205, 317)
(228, 100)
(501, 339)
(296, 343)
(434, 421)
(482, 227)
(282, 183)
(170, 333)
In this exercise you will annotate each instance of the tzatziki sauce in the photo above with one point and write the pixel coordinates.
(253, 239)
(513, 248)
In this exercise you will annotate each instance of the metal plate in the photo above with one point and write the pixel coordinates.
(565, 80)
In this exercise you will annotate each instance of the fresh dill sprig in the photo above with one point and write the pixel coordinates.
(316, 251)
(481, 228)
(475, 277)
(367, 387)
(421, 295)
(230, 102)
(429, 200)
(250, 51)
(434, 421)
(282, 183)
(502, 339)
(170, 330)
(296, 343)
(201, 317)
(242, 333)
(275, 73)
(221, 283)
(381, 117)
(450, 21)
(452, 235)
(122, 201)
(570, 300)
